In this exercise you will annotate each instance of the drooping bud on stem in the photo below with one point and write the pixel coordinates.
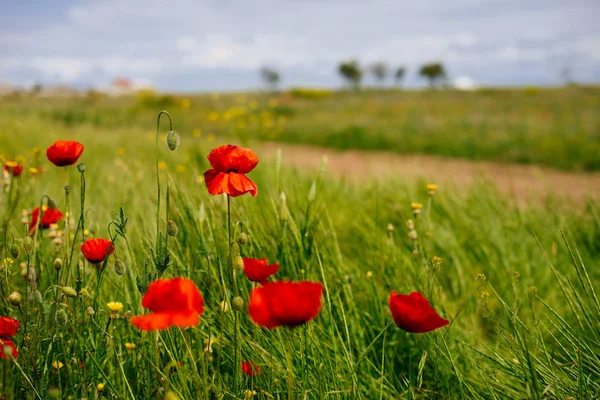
(237, 303)
(28, 245)
(172, 140)
(172, 228)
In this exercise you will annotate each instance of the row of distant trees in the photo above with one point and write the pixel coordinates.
(352, 72)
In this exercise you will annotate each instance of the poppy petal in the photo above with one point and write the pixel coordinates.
(232, 158)
(164, 320)
(7, 343)
(8, 326)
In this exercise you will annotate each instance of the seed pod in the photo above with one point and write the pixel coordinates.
(172, 140)
(15, 298)
(237, 303)
(120, 267)
(27, 245)
(238, 263)
(81, 167)
(61, 318)
(58, 264)
(14, 251)
(172, 228)
(242, 239)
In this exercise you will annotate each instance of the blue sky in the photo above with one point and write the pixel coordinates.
(195, 45)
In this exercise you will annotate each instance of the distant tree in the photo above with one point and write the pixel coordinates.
(37, 88)
(399, 75)
(566, 75)
(270, 77)
(379, 71)
(434, 73)
(351, 72)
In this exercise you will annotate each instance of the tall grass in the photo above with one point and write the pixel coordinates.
(518, 284)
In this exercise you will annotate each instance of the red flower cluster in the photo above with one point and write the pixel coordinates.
(250, 369)
(8, 329)
(64, 152)
(49, 217)
(258, 270)
(174, 301)
(414, 314)
(285, 303)
(230, 164)
(13, 167)
(97, 249)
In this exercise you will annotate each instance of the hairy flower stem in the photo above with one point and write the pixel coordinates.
(157, 174)
(68, 214)
(80, 226)
(236, 333)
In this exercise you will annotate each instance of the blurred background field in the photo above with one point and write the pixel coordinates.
(558, 127)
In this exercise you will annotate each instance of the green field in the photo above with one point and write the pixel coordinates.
(554, 127)
(517, 283)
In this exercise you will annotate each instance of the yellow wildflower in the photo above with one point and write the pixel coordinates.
(114, 306)
(57, 365)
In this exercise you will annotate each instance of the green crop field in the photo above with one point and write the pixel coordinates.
(518, 283)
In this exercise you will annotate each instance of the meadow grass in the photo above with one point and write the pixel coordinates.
(555, 127)
(518, 283)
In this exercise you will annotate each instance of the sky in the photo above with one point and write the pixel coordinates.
(209, 45)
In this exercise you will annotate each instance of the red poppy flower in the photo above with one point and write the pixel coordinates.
(97, 249)
(285, 303)
(8, 328)
(13, 167)
(414, 314)
(64, 152)
(49, 217)
(230, 164)
(174, 301)
(250, 369)
(258, 270)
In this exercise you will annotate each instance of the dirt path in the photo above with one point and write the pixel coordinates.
(522, 180)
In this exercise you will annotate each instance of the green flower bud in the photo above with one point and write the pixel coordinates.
(172, 228)
(237, 303)
(238, 263)
(81, 167)
(120, 267)
(58, 264)
(61, 318)
(242, 239)
(14, 250)
(15, 298)
(28, 245)
(69, 291)
(209, 281)
(172, 140)
(51, 204)
(235, 250)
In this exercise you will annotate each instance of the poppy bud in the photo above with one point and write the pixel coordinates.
(127, 315)
(15, 298)
(61, 318)
(67, 189)
(36, 297)
(120, 267)
(238, 263)
(28, 245)
(172, 228)
(14, 250)
(237, 303)
(242, 239)
(81, 167)
(54, 393)
(235, 250)
(52, 204)
(172, 140)
(208, 281)
(412, 235)
(224, 305)
(69, 291)
(58, 264)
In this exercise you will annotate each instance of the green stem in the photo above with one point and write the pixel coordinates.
(157, 175)
(236, 342)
